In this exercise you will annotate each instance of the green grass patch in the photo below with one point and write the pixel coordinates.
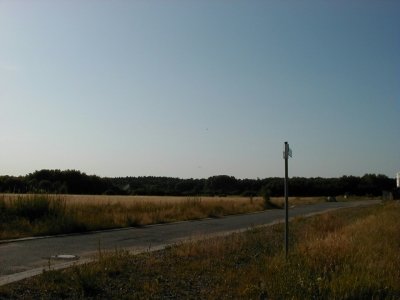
(345, 254)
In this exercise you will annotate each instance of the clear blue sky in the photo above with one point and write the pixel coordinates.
(200, 88)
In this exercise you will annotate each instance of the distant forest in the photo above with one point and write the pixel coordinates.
(76, 182)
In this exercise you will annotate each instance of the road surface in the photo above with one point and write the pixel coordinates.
(24, 258)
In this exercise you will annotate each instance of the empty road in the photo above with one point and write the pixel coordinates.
(28, 257)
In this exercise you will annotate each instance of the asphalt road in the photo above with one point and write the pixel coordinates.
(24, 258)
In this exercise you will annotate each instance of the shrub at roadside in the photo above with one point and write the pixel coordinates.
(36, 215)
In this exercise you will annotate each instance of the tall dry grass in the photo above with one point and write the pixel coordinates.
(25, 215)
(38, 214)
(346, 254)
(335, 259)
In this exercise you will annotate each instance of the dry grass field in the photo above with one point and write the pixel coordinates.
(132, 200)
(32, 215)
(27, 215)
(345, 254)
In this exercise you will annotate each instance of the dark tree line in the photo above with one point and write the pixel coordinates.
(56, 181)
(76, 182)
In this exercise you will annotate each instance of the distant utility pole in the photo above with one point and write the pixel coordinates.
(286, 153)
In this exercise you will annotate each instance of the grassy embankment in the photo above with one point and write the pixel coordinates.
(345, 254)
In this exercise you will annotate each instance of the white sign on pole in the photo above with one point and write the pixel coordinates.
(287, 151)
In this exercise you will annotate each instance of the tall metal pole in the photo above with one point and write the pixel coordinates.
(286, 157)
